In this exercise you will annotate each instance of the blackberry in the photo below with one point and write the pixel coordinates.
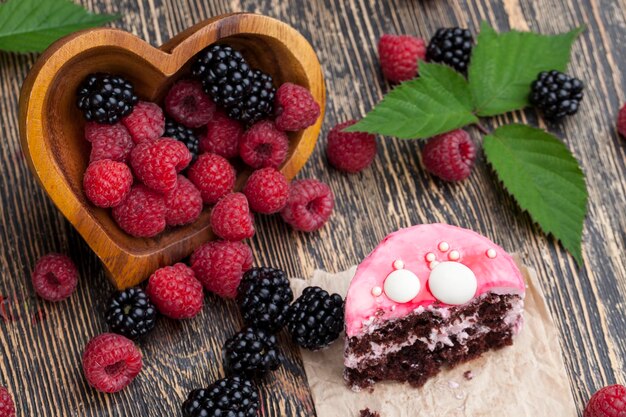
(225, 74)
(130, 313)
(451, 46)
(263, 296)
(184, 134)
(228, 397)
(259, 103)
(251, 352)
(106, 98)
(315, 318)
(556, 94)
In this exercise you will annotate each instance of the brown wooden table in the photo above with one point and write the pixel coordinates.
(41, 343)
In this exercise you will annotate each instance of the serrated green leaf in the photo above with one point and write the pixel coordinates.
(32, 25)
(503, 66)
(544, 178)
(437, 102)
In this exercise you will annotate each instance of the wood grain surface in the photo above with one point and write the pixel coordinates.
(41, 343)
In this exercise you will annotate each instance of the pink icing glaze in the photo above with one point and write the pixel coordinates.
(411, 245)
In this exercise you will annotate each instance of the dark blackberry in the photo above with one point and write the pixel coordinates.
(228, 397)
(105, 98)
(556, 94)
(225, 74)
(130, 313)
(251, 352)
(184, 134)
(259, 103)
(264, 296)
(451, 46)
(315, 319)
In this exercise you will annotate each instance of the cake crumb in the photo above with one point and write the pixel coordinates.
(368, 413)
(469, 375)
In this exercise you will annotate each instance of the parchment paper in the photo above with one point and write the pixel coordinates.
(526, 379)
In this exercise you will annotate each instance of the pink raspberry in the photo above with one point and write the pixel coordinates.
(55, 277)
(146, 122)
(263, 146)
(142, 213)
(187, 103)
(231, 218)
(184, 204)
(621, 121)
(450, 156)
(213, 175)
(157, 163)
(7, 407)
(608, 402)
(222, 136)
(267, 191)
(108, 142)
(107, 183)
(399, 56)
(111, 362)
(309, 206)
(219, 265)
(296, 109)
(350, 151)
(176, 292)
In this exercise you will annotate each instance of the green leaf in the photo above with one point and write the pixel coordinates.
(544, 178)
(437, 102)
(32, 25)
(503, 66)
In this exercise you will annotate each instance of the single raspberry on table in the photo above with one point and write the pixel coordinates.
(267, 191)
(350, 151)
(608, 402)
(111, 362)
(142, 213)
(263, 146)
(184, 204)
(108, 142)
(213, 175)
(399, 56)
(231, 218)
(146, 122)
(176, 292)
(55, 277)
(450, 156)
(309, 206)
(296, 109)
(187, 103)
(222, 136)
(621, 121)
(7, 406)
(220, 265)
(107, 183)
(157, 163)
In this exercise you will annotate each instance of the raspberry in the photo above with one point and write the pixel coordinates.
(142, 213)
(621, 121)
(7, 407)
(55, 277)
(219, 266)
(450, 156)
(184, 204)
(176, 292)
(108, 142)
(231, 218)
(296, 108)
(213, 175)
(156, 163)
(111, 362)
(107, 183)
(267, 191)
(263, 146)
(399, 56)
(350, 151)
(309, 206)
(146, 122)
(608, 402)
(187, 103)
(222, 136)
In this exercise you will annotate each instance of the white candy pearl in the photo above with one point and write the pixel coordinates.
(431, 257)
(377, 291)
(454, 255)
(452, 283)
(444, 246)
(491, 253)
(402, 286)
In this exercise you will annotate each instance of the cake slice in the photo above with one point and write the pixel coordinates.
(429, 297)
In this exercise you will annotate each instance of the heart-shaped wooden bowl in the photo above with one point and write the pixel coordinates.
(51, 126)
